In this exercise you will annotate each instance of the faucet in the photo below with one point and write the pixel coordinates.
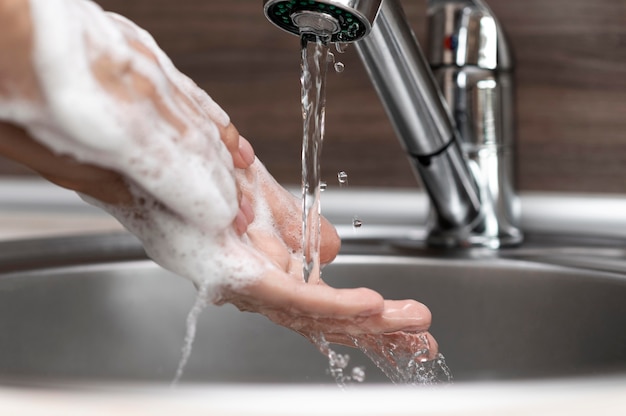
(453, 115)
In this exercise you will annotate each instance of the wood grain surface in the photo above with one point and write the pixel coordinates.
(570, 73)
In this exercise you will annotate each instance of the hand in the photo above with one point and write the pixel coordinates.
(342, 315)
(18, 81)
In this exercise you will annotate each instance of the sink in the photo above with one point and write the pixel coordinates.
(517, 314)
(537, 327)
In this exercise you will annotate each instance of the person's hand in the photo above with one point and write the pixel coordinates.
(279, 292)
(100, 183)
(341, 315)
(19, 81)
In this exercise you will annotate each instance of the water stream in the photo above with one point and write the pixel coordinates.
(402, 364)
(315, 54)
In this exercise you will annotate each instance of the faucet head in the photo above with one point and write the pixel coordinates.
(342, 20)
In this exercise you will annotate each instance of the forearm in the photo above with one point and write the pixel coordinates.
(17, 77)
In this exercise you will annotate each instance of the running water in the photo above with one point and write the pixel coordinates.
(190, 333)
(315, 54)
(315, 59)
(402, 362)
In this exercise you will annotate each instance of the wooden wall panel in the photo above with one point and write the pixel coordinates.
(571, 89)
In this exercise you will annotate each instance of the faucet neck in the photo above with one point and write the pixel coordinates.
(420, 116)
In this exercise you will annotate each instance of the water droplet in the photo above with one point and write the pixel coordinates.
(342, 177)
(323, 186)
(330, 58)
(358, 374)
(341, 47)
(339, 67)
(307, 269)
(356, 223)
(338, 360)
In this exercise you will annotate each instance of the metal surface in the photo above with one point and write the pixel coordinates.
(468, 175)
(552, 307)
(401, 76)
(466, 33)
(472, 63)
(505, 315)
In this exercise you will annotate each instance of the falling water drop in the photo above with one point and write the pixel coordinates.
(356, 222)
(341, 47)
(323, 186)
(358, 374)
(342, 177)
(339, 66)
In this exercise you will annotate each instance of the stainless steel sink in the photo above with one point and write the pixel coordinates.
(540, 326)
(90, 308)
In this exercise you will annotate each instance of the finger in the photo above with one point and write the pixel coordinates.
(317, 300)
(245, 215)
(240, 223)
(275, 251)
(406, 316)
(246, 208)
(287, 212)
(410, 343)
(399, 315)
(246, 152)
(330, 243)
(230, 137)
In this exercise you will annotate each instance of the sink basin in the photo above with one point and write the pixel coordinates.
(536, 329)
(517, 314)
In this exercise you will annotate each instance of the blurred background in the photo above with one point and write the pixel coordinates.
(570, 74)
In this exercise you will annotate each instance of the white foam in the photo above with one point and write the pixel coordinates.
(179, 171)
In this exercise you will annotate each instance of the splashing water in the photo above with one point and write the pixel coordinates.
(405, 364)
(338, 364)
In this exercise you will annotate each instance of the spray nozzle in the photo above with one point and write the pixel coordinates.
(343, 20)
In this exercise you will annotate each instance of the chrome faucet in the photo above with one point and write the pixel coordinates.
(453, 116)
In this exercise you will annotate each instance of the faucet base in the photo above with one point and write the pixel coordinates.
(457, 239)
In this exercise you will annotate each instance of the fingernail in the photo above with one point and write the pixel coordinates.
(246, 151)
(411, 316)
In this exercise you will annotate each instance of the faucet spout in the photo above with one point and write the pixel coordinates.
(344, 20)
(421, 119)
(467, 206)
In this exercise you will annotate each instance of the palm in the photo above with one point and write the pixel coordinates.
(343, 316)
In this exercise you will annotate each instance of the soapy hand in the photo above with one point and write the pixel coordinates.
(344, 316)
(341, 315)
